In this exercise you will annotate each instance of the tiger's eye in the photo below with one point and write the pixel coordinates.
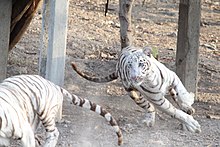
(140, 64)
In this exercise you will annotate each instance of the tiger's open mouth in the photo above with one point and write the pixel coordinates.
(137, 80)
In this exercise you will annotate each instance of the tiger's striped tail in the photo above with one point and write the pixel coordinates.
(108, 78)
(85, 103)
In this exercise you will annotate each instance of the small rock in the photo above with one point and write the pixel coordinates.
(145, 20)
(19, 47)
(104, 55)
(171, 49)
(210, 46)
(84, 143)
(173, 34)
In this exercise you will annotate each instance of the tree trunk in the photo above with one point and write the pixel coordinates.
(125, 7)
(188, 43)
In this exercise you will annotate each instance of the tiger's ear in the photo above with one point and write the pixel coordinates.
(147, 51)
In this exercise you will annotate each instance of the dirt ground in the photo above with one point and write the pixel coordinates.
(93, 43)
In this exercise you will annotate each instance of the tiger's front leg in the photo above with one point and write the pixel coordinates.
(27, 138)
(149, 119)
(164, 105)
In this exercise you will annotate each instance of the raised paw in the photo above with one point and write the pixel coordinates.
(188, 109)
(192, 125)
(149, 119)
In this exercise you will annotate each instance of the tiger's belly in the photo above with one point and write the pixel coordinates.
(149, 92)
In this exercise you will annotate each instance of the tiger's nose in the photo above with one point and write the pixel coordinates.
(135, 78)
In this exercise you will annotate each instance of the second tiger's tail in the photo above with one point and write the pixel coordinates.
(108, 78)
(85, 103)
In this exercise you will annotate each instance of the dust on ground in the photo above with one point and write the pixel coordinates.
(93, 43)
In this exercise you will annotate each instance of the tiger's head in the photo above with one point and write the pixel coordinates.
(138, 65)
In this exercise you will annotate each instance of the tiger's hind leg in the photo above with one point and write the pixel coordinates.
(49, 123)
(59, 113)
(186, 108)
(182, 96)
(182, 104)
(149, 119)
(52, 133)
(51, 138)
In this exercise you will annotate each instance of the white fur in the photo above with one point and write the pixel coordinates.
(108, 116)
(98, 109)
(87, 104)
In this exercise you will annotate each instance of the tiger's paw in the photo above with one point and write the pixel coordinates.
(186, 102)
(149, 119)
(192, 125)
(188, 109)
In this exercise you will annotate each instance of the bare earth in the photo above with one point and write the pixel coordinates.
(93, 43)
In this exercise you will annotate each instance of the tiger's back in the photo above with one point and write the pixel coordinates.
(27, 100)
(34, 92)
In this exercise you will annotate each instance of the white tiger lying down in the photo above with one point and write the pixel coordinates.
(27, 100)
(142, 75)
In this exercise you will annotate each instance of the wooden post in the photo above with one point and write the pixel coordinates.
(5, 21)
(188, 43)
(56, 47)
(44, 38)
(125, 7)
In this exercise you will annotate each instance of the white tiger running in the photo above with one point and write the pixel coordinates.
(27, 100)
(142, 75)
